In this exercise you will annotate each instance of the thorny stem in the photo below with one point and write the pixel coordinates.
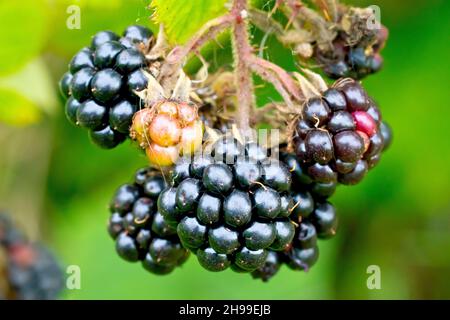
(266, 75)
(263, 21)
(209, 31)
(246, 62)
(280, 75)
(242, 50)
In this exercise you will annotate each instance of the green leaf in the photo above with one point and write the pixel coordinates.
(183, 18)
(22, 32)
(17, 110)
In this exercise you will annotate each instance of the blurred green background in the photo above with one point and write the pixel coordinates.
(57, 184)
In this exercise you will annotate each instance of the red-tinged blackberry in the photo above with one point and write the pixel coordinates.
(102, 83)
(337, 137)
(231, 206)
(31, 271)
(140, 232)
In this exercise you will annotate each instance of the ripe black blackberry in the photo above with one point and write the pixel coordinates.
(230, 207)
(304, 189)
(31, 271)
(303, 252)
(340, 135)
(101, 82)
(140, 231)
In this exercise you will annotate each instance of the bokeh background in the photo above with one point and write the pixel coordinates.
(57, 185)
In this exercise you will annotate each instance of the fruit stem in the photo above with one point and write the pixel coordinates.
(209, 31)
(242, 54)
(278, 77)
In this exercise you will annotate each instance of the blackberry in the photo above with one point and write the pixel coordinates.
(338, 137)
(301, 259)
(270, 267)
(140, 232)
(350, 58)
(101, 84)
(302, 252)
(32, 272)
(311, 218)
(230, 207)
(167, 130)
(304, 189)
(324, 220)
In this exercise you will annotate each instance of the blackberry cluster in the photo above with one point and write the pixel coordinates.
(231, 207)
(101, 82)
(357, 60)
(314, 217)
(340, 135)
(141, 233)
(32, 272)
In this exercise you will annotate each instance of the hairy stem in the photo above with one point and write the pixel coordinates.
(243, 77)
(208, 32)
(269, 77)
(264, 22)
(281, 74)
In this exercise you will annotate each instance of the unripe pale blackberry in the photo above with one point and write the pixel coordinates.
(101, 84)
(167, 130)
(230, 207)
(338, 137)
(141, 233)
